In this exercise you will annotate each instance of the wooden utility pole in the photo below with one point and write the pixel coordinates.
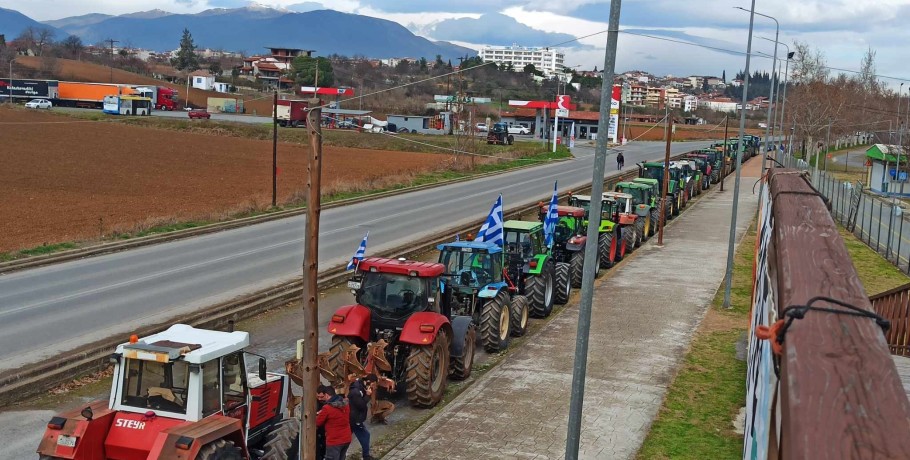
(723, 164)
(275, 151)
(666, 183)
(112, 41)
(310, 371)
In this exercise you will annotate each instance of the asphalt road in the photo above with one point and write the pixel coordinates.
(53, 309)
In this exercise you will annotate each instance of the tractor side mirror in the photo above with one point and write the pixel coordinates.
(87, 413)
(262, 369)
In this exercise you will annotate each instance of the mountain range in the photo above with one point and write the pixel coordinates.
(249, 29)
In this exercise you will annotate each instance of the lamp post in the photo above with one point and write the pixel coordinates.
(783, 99)
(770, 96)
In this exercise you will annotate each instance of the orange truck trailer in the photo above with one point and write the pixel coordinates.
(89, 95)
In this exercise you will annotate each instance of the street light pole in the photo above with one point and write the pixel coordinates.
(770, 96)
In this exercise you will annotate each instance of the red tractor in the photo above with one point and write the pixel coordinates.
(183, 393)
(401, 330)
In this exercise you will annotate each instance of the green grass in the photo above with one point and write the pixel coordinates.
(876, 273)
(37, 251)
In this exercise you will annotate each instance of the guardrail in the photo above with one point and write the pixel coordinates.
(820, 382)
(894, 305)
(19, 384)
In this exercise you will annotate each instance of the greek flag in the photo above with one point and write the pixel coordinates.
(491, 230)
(457, 237)
(549, 222)
(358, 256)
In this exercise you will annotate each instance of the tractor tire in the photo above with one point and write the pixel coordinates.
(282, 442)
(715, 176)
(629, 234)
(676, 204)
(460, 367)
(606, 249)
(539, 290)
(655, 220)
(619, 234)
(577, 265)
(427, 371)
(494, 323)
(336, 352)
(518, 310)
(510, 140)
(220, 450)
(639, 231)
(563, 283)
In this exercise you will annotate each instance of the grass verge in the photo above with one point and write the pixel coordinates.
(877, 274)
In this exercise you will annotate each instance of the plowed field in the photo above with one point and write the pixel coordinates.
(64, 179)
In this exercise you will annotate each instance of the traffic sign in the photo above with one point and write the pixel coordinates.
(562, 113)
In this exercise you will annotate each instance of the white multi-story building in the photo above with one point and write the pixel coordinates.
(547, 60)
(690, 103)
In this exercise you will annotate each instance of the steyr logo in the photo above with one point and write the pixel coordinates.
(132, 424)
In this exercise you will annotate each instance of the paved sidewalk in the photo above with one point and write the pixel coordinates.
(643, 319)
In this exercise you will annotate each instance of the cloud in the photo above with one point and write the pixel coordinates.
(495, 29)
(306, 6)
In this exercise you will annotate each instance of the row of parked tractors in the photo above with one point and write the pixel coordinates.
(198, 394)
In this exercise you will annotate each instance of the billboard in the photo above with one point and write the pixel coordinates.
(613, 130)
(345, 91)
(25, 88)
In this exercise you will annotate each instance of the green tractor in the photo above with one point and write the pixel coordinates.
(475, 285)
(499, 135)
(705, 168)
(568, 250)
(655, 193)
(714, 161)
(690, 177)
(728, 152)
(529, 266)
(631, 224)
(655, 170)
(645, 204)
(611, 246)
(753, 144)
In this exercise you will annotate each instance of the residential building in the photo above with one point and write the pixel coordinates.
(655, 97)
(550, 61)
(690, 103)
(270, 69)
(673, 98)
(202, 80)
(720, 104)
(637, 94)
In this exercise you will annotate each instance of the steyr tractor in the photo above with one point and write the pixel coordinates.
(645, 205)
(183, 393)
(610, 243)
(655, 170)
(399, 328)
(569, 241)
(632, 225)
(499, 135)
(529, 265)
(475, 286)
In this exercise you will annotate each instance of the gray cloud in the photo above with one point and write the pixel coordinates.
(495, 29)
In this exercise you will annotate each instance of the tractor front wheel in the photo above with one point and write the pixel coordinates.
(518, 309)
(494, 323)
(639, 231)
(510, 140)
(607, 249)
(460, 368)
(282, 441)
(427, 371)
(539, 289)
(220, 450)
(577, 262)
(563, 284)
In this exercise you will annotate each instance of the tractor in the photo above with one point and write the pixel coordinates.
(620, 205)
(611, 247)
(690, 177)
(714, 159)
(499, 135)
(569, 241)
(529, 266)
(183, 393)
(705, 167)
(728, 151)
(645, 205)
(475, 286)
(399, 329)
(656, 192)
(655, 170)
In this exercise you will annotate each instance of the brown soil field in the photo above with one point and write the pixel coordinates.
(67, 180)
(685, 132)
(71, 70)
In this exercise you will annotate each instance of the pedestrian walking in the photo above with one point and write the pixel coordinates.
(359, 399)
(620, 161)
(335, 416)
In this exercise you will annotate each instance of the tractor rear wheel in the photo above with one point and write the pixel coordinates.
(336, 353)
(563, 283)
(539, 289)
(715, 176)
(427, 371)
(676, 204)
(494, 323)
(518, 310)
(577, 263)
(220, 450)
(629, 235)
(655, 220)
(619, 236)
(639, 231)
(510, 139)
(282, 441)
(460, 367)
(607, 250)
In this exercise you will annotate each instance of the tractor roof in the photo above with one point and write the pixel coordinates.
(472, 246)
(522, 225)
(654, 164)
(637, 185)
(180, 340)
(645, 180)
(401, 267)
(617, 195)
(563, 211)
(582, 197)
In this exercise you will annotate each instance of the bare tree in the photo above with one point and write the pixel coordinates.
(73, 46)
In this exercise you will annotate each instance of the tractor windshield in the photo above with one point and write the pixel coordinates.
(638, 194)
(474, 269)
(654, 173)
(155, 385)
(391, 295)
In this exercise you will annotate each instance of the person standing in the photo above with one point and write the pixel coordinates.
(620, 161)
(335, 416)
(359, 399)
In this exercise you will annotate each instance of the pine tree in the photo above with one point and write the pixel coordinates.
(724, 76)
(186, 56)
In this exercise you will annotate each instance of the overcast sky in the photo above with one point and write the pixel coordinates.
(842, 29)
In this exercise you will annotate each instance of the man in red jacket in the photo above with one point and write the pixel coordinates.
(335, 416)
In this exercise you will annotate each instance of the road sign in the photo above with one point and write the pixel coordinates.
(562, 113)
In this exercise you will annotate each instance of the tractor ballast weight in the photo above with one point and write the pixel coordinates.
(499, 135)
(569, 241)
(529, 265)
(611, 246)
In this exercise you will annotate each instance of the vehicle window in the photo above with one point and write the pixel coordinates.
(234, 381)
(154, 385)
(211, 394)
(536, 243)
(470, 268)
(392, 296)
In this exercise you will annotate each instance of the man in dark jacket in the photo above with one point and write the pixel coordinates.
(335, 416)
(359, 400)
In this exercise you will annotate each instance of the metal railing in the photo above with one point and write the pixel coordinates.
(894, 305)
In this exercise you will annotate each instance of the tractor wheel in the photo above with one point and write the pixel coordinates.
(539, 290)
(518, 309)
(336, 352)
(676, 204)
(460, 367)
(282, 441)
(639, 231)
(510, 139)
(629, 234)
(619, 234)
(220, 450)
(607, 250)
(577, 264)
(563, 284)
(715, 176)
(427, 371)
(655, 220)
(494, 323)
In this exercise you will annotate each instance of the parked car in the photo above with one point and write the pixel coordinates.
(199, 114)
(482, 127)
(39, 104)
(518, 129)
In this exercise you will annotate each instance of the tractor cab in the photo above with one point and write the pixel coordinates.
(621, 203)
(471, 266)
(529, 265)
(642, 196)
(571, 222)
(181, 393)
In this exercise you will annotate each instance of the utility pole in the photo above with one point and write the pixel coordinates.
(275, 151)
(828, 145)
(723, 164)
(310, 371)
(576, 405)
(739, 159)
(112, 41)
(666, 183)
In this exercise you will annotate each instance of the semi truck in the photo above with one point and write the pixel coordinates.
(89, 95)
(292, 112)
(163, 98)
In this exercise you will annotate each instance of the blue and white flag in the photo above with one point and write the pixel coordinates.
(491, 230)
(361, 250)
(457, 237)
(549, 222)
